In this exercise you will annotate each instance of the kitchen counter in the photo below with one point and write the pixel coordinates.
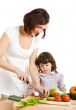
(72, 106)
(10, 105)
(6, 105)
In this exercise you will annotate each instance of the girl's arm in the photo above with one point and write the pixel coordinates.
(61, 84)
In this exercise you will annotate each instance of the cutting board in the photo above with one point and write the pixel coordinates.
(55, 103)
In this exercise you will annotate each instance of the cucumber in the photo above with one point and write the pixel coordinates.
(15, 98)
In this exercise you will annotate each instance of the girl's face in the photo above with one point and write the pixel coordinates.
(45, 68)
(38, 29)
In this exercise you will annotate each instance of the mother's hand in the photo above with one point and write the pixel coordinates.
(21, 75)
(40, 88)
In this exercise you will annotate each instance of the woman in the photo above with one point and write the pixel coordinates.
(18, 51)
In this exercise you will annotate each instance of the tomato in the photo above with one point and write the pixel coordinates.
(58, 99)
(55, 94)
(66, 98)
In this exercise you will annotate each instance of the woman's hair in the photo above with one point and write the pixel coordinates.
(35, 17)
(44, 58)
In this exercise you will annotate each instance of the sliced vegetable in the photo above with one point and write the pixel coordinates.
(27, 102)
(20, 104)
(56, 90)
(50, 98)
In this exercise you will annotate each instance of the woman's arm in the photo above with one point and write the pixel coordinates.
(33, 69)
(34, 72)
(4, 43)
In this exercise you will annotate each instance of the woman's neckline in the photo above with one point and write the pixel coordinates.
(19, 42)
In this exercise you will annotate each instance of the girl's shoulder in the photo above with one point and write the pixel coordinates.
(59, 76)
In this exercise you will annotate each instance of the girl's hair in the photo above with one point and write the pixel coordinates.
(35, 17)
(44, 58)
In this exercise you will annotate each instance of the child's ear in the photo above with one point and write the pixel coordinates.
(39, 71)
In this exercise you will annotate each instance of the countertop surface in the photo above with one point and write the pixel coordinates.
(72, 106)
(10, 105)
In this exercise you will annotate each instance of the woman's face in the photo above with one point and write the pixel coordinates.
(45, 68)
(38, 29)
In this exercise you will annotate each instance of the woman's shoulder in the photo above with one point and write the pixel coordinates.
(12, 32)
(11, 28)
(36, 41)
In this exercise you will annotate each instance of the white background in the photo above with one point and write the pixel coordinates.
(61, 33)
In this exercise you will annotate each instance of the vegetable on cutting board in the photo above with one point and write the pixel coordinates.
(53, 97)
(28, 101)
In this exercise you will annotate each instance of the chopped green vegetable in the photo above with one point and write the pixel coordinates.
(51, 91)
(29, 101)
(20, 104)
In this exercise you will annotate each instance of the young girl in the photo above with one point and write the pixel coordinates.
(49, 77)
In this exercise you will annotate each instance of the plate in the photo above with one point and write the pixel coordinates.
(55, 103)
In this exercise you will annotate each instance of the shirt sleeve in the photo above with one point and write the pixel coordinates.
(11, 33)
(37, 42)
(60, 81)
